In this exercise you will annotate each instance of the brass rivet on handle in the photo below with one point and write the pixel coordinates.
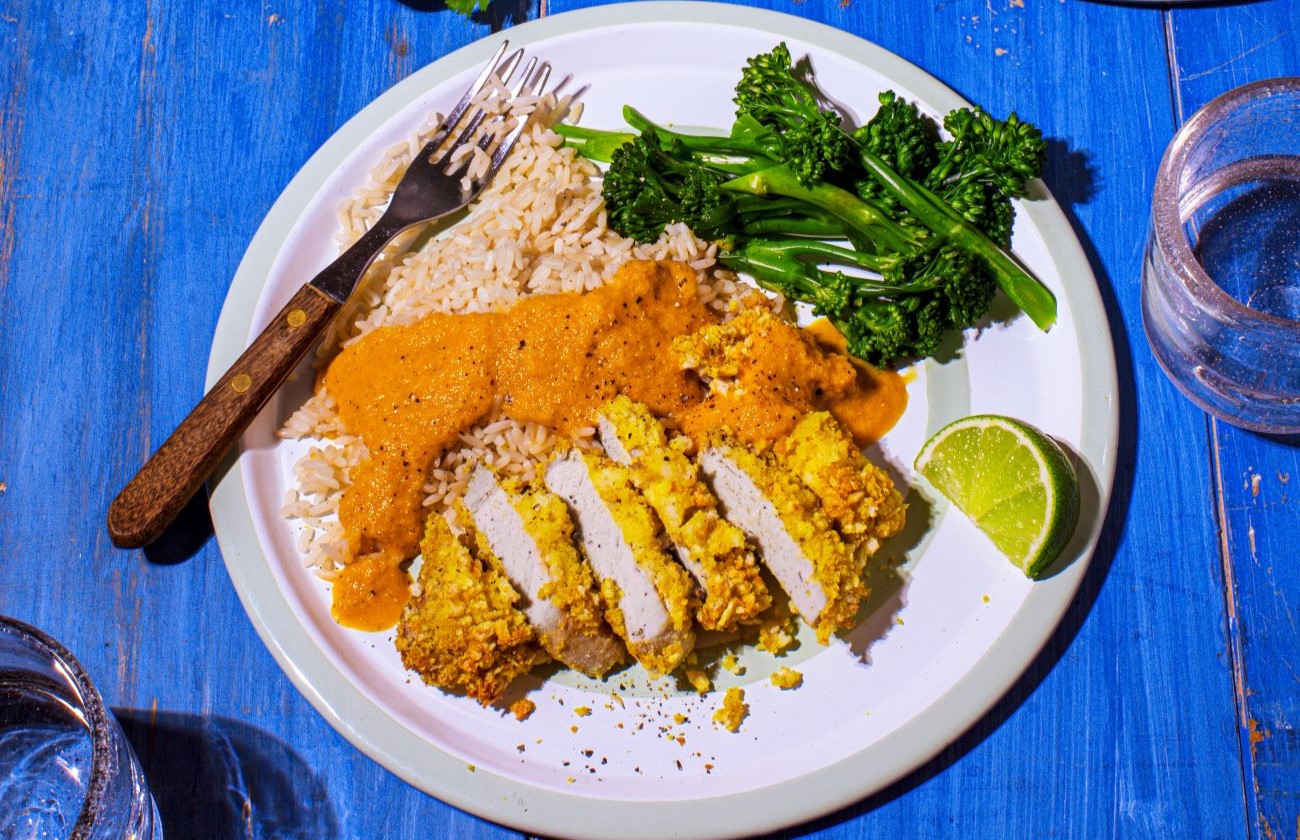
(296, 318)
(241, 383)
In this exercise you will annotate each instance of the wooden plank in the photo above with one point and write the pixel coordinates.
(1214, 51)
(1125, 725)
(140, 147)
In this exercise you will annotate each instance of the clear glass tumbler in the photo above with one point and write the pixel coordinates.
(66, 769)
(1221, 277)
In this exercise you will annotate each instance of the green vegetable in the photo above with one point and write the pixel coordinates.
(467, 7)
(928, 220)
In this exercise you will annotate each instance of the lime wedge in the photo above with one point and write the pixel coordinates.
(1016, 484)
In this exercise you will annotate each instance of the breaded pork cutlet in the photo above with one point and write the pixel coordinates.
(712, 549)
(464, 631)
(794, 536)
(859, 497)
(647, 595)
(528, 533)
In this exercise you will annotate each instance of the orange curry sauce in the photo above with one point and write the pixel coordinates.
(551, 359)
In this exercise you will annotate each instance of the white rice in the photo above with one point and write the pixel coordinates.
(539, 228)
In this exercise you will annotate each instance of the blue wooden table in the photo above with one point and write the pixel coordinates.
(140, 146)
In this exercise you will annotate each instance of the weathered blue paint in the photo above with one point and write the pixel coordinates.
(140, 146)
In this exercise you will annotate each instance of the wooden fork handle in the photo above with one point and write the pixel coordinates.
(149, 503)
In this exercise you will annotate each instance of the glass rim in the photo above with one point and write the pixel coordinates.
(96, 718)
(1167, 220)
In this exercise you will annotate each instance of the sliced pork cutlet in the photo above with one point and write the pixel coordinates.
(464, 631)
(647, 594)
(795, 537)
(859, 497)
(528, 533)
(710, 547)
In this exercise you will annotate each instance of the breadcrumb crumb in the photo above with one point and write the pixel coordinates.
(733, 711)
(776, 634)
(786, 678)
(522, 708)
(732, 665)
(699, 680)
(582, 711)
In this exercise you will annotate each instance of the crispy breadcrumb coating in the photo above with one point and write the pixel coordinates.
(572, 587)
(835, 567)
(734, 592)
(463, 632)
(733, 711)
(640, 529)
(859, 497)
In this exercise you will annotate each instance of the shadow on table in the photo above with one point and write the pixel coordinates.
(215, 778)
(185, 536)
(1070, 177)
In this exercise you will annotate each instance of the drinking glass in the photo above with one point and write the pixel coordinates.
(66, 769)
(1221, 276)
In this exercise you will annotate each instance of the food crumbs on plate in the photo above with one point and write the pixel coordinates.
(520, 747)
(732, 665)
(522, 708)
(618, 700)
(573, 729)
(786, 678)
(734, 709)
(776, 635)
(582, 711)
(570, 780)
(986, 599)
(679, 718)
(898, 620)
(699, 680)
(3, 487)
(471, 768)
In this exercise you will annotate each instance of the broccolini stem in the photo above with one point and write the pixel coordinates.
(859, 215)
(593, 143)
(795, 226)
(1025, 291)
(821, 252)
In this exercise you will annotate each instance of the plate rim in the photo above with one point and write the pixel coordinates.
(511, 802)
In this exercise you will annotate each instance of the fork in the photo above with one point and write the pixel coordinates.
(438, 182)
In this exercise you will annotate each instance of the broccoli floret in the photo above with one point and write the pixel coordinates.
(986, 164)
(880, 332)
(648, 188)
(1005, 155)
(928, 220)
(904, 140)
(810, 139)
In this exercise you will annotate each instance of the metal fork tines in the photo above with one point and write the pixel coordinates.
(440, 180)
(446, 175)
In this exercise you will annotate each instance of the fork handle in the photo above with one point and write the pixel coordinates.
(149, 503)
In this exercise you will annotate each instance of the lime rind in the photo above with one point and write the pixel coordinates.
(1014, 482)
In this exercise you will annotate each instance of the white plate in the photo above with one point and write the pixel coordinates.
(942, 644)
